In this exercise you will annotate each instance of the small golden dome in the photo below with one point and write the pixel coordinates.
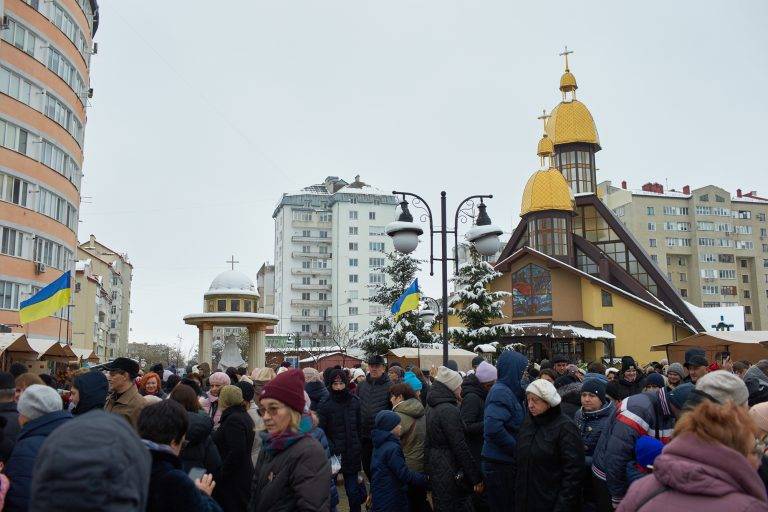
(545, 148)
(571, 121)
(546, 190)
(568, 82)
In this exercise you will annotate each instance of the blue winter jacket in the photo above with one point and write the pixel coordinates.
(22, 461)
(638, 415)
(504, 411)
(591, 425)
(390, 476)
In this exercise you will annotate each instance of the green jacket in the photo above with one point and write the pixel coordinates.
(414, 432)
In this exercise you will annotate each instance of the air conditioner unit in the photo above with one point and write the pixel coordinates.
(39, 268)
(90, 93)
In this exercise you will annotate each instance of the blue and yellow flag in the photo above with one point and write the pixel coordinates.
(408, 301)
(47, 301)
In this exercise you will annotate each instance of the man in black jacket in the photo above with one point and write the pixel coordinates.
(9, 413)
(373, 393)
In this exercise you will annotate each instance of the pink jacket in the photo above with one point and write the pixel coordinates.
(701, 476)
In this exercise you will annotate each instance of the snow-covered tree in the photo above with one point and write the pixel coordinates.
(386, 332)
(474, 304)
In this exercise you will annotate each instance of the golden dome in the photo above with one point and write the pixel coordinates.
(546, 148)
(546, 190)
(568, 82)
(570, 121)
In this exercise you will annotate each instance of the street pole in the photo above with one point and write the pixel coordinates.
(444, 265)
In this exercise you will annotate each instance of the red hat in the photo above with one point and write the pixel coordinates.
(287, 387)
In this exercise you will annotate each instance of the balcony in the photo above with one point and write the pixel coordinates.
(310, 271)
(309, 287)
(311, 302)
(313, 318)
(311, 255)
(311, 224)
(316, 239)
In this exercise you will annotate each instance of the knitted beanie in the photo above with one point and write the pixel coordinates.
(545, 390)
(596, 387)
(723, 386)
(450, 378)
(412, 380)
(220, 379)
(680, 394)
(647, 448)
(398, 370)
(229, 396)
(655, 379)
(386, 420)
(311, 375)
(38, 400)
(486, 372)
(676, 368)
(247, 389)
(287, 387)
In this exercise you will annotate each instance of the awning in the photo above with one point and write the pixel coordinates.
(427, 357)
(16, 342)
(557, 330)
(749, 345)
(52, 350)
(85, 355)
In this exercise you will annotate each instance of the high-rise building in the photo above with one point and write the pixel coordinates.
(712, 246)
(329, 246)
(45, 54)
(265, 284)
(115, 274)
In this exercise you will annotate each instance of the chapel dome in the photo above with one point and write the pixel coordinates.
(546, 190)
(568, 82)
(232, 282)
(571, 121)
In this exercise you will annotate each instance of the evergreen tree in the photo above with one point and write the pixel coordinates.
(386, 333)
(474, 305)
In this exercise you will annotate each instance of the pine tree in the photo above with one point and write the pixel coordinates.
(474, 305)
(386, 333)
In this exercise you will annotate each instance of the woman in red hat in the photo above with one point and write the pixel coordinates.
(292, 471)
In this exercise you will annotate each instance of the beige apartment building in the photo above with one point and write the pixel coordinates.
(103, 299)
(712, 246)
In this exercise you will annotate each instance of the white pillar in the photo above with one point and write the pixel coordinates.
(205, 346)
(256, 357)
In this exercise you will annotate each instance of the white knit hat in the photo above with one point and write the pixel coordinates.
(357, 372)
(450, 378)
(38, 400)
(545, 390)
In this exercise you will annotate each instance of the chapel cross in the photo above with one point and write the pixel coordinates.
(544, 116)
(722, 326)
(232, 261)
(565, 54)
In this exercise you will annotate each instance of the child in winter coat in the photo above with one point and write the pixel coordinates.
(390, 475)
(647, 448)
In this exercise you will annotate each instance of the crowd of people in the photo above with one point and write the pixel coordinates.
(514, 436)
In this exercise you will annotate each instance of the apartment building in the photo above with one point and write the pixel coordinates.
(265, 285)
(712, 246)
(329, 246)
(90, 317)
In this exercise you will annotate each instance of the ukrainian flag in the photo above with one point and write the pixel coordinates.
(408, 301)
(47, 301)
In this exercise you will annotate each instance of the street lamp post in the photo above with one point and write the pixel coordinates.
(405, 237)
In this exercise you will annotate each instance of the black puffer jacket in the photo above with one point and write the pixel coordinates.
(550, 464)
(472, 405)
(632, 388)
(340, 420)
(234, 439)
(447, 452)
(571, 398)
(374, 397)
(201, 451)
(317, 392)
(292, 480)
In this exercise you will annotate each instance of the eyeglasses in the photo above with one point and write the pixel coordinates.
(272, 410)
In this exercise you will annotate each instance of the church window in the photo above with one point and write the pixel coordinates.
(549, 235)
(247, 306)
(235, 305)
(221, 305)
(532, 291)
(607, 299)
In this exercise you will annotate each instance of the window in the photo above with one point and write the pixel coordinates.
(306, 249)
(353, 278)
(747, 326)
(707, 258)
(305, 296)
(531, 291)
(352, 246)
(247, 305)
(325, 217)
(747, 245)
(743, 263)
(352, 230)
(678, 242)
(9, 295)
(577, 167)
(727, 274)
(719, 199)
(765, 247)
(607, 299)
(352, 262)
(744, 214)
(323, 282)
(651, 226)
(306, 264)
(704, 198)
(742, 230)
(235, 303)
(707, 242)
(376, 262)
(747, 310)
(708, 289)
(306, 233)
(306, 280)
(376, 230)
(649, 210)
(323, 234)
(675, 210)
(20, 37)
(353, 215)
(304, 327)
(620, 211)
(322, 296)
(725, 258)
(608, 328)
(11, 242)
(376, 278)
(353, 311)
(728, 290)
(747, 294)
(652, 242)
(371, 215)
(708, 273)
(354, 327)
(305, 312)
(376, 246)
(353, 294)
(683, 277)
(549, 235)
(654, 258)
(683, 292)
(302, 215)
(221, 305)
(744, 278)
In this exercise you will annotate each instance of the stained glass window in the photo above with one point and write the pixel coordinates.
(531, 292)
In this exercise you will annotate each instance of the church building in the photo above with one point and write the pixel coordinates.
(580, 283)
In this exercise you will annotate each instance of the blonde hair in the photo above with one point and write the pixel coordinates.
(263, 374)
(295, 420)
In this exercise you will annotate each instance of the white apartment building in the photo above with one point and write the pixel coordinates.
(329, 244)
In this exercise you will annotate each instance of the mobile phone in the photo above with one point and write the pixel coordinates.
(196, 473)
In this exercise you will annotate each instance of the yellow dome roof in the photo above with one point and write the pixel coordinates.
(545, 148)
(568, 82)
(570, 121)
(546, 190)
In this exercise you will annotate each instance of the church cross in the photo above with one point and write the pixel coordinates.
(565, 54)
(722, 326)
(232, 261)
(544, 116)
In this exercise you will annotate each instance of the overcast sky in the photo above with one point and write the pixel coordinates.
(203, 117)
